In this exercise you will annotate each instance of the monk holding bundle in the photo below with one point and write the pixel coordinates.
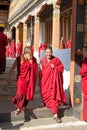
(27, 71)
(52, 83)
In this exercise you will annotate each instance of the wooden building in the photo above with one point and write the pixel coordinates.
(35, 22)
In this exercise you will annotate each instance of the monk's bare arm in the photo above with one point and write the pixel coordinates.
(12, 71)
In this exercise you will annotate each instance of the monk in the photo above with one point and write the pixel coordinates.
(68, 44)
(62, 43)
(12, 49)
(3, 44)
(7, 51)
(52, 83)
(19, 48)
(83, 73)
(26, 78)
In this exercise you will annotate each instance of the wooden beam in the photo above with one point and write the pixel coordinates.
(4, 3)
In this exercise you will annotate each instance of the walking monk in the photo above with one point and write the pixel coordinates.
(27, 71)
(3, 44)
(12, 49)
(83, 73)
(52, 83)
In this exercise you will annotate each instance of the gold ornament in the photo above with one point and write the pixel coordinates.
(77, 100)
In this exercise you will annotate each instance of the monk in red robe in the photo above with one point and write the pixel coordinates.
(26, 78)
(83, 73)
(7, 51)
(19, 48)
(3, 44)
(68, 44)
(52, 83)
(62, 43)
(12, 49)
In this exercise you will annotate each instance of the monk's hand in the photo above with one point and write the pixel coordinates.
(52, 65)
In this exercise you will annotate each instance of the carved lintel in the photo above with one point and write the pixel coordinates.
(58, 2)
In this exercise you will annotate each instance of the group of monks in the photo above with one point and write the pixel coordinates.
(13, 49)
(50, 81)
(65, 44)
(50, 76)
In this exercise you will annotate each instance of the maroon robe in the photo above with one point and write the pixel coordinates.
(83, 73)
(26, 80)
(3, 44)
(52, 84)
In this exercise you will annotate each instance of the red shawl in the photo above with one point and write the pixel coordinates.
(52, 80)
(27, 78)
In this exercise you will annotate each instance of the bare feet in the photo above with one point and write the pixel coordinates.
(56, 118)
(18, 111)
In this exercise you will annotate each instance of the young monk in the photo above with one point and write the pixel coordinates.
(27, 71)
(52, 83)
(83, 73)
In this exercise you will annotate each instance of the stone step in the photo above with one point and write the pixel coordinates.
(4, 76)
(34, 111)
(36, 107)
(13, 87)
(30, 114)
(9, 96)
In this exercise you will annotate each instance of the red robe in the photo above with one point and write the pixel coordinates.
(19, 49)
(12, 50)
(26, 82)
(3, 44)
(52, 84)
(69, 43)
(83, 73)
(62, 45)
(7, 51)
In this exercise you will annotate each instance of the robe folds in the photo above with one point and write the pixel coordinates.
(52, 83)
(26, 80)
(83, 73)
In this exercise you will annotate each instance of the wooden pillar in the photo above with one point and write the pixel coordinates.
(56, 27)
(24, 35)
(78, 13)
(65, 28)
(61, 27)
(36, 36)
(72, 64)
(69, 26)
(17, 35)
(85, 34)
